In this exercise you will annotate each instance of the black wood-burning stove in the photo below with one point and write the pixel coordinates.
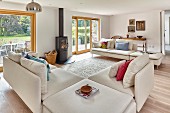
(61, 40)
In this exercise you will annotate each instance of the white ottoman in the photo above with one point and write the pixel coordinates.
(107, 100)
(155, 57)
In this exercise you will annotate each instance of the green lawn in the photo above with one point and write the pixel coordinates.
(13, 39)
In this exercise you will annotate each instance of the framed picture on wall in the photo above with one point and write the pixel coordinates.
(131, 21)
(140, 25)
(131, 28)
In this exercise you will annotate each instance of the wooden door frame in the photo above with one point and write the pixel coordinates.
(85, 18)
(33, 25)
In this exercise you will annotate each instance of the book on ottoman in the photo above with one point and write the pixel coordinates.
(87, 95)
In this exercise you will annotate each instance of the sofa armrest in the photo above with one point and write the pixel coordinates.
(26, 84)
(144, 83)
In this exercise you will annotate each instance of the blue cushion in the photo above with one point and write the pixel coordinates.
(40, 61)
(122, 46)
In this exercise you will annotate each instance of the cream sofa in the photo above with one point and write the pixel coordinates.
(144, 82)
(110, 51)
(28, 85)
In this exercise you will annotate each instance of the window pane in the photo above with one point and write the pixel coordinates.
(15, 34)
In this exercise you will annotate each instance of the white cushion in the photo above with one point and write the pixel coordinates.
(134, 67)
(120, 52)
(130, 43)
(33, 54)
(114, 68)
(155, 56)
(96, 44)
(14, 56)
(59, 80)
(102, 77)
(100, 49)
(38, 69)
(110, 44)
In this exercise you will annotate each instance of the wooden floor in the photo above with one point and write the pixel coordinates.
(158, 101)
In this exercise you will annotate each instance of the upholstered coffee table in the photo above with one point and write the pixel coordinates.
(106, 100)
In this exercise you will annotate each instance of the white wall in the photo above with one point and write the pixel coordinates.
(105, 25)
(167, 25)
(119, 26)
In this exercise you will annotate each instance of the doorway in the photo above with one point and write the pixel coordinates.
(84, 31)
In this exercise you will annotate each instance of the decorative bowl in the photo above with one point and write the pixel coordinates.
(139, 36)
(86, 89)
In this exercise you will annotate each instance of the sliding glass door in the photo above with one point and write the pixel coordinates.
(83, 31)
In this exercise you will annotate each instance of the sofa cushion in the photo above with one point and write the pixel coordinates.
(104, 45)
(130, 43)
(114, 68)
(38, 69)
(122, 46)
(14, 56)
(110, 44)
(59, 80)
(155, 56)
(134, 67)
(96, 44)
(122, 70)
(120, 52)
(102, 77)
(100, 49)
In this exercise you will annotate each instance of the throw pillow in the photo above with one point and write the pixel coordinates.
(125, 41)
(134, 67)
(110, 44)
(104, 45)
(41, 61)
(14, 56)
(114, 68)
(96, 44)
(122, 70)
(38, 69)
(122, 46)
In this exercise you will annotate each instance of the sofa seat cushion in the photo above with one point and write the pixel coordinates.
(102, 77)
(100, 49)
(156, 56)
(59, 80)
(121, 52)
(52, 67)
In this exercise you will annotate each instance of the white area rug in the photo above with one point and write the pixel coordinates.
(88, 67)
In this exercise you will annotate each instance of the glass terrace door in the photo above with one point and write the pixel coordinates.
(82, 34)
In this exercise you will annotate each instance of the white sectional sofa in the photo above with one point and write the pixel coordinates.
(28, 85)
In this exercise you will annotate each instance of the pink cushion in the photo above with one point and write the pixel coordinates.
(104, 45)
(122, 70)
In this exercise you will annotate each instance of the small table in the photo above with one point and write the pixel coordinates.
(107, 100)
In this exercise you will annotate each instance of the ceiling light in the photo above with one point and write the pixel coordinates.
(33, 7)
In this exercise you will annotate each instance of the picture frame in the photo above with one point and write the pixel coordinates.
(131, 22)
(140, 25)
(131, 28)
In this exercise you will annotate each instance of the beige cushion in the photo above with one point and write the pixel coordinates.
(130, 43)
(100, 49)
(59, 80)
(114, 68)
(134, 67)
(120, 52)
(38, 69)
(110, 44)
(14, 56)
(155, 56)
(102, 77)
(33, 54)
(96, 44)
